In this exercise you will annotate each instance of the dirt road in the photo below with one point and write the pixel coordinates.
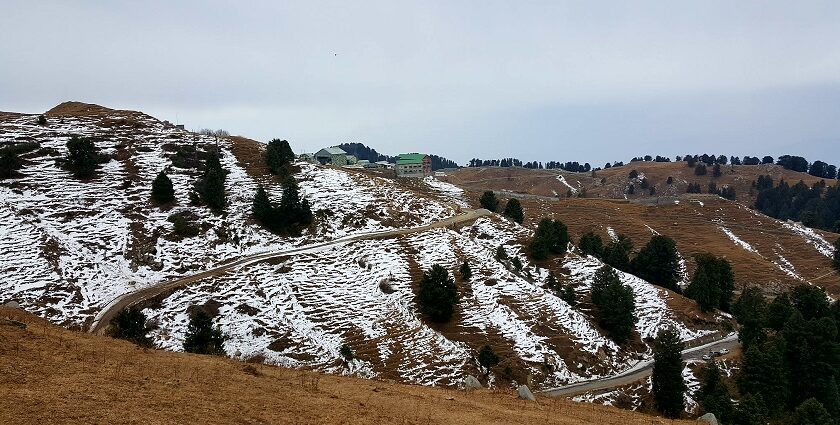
(640, 371)
(101, 321)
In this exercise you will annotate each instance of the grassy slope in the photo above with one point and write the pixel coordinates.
(52, 375)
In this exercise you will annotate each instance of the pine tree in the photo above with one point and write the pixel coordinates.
(668, 384)
(213, 193)
(836, 260)
(438, 294)
(9, 163)
(615, 304)
(591, 244)
(779, 311)
(551, 237)
(700, 170)
(488, 201)
(617, 253)
(466, 271)
(716, 170)
(812, 412)
(278, 156)
(130, 324)
(714, 395)
(763, 373)
(712, 284)
(162, 190)
(750, 311)
(202, 337)
(751, 411)
(82, 157)
(659, 263)
(487, 358)
(513, 211)
(262, 208)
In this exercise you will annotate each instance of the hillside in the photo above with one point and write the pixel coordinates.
(82, 378)
(75, 245)
(613, 183)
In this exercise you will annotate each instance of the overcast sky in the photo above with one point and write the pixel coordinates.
(575, 80)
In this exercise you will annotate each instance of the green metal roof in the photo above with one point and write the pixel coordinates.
(410, 158)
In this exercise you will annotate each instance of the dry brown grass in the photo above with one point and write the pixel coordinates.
(52, 375)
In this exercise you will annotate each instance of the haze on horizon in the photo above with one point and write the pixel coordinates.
(555, 80)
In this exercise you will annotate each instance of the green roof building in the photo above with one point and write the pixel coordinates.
(414, 165)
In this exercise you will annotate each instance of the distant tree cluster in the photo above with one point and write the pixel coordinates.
(572, 166)
(791, 360)
(614, 303)
(648, 158)
(550, 238)
(362, 151)
(438, 294)
(289, 216)
(816, 206)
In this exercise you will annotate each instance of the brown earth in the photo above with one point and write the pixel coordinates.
(616, 180)
(53, 375)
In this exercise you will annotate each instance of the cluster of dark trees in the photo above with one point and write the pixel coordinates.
(816, 206)
(209, 189)
(202, 338)
(572, 166)
(791, 361)
(712, 284)
(362, 151)
(438, 294)
(513, 208)
(292, 214)
(649, 158)
(279, 157)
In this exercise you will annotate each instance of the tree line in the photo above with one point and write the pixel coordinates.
(815, 206)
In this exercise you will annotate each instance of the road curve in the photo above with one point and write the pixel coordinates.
(638, 372)
(103, 318)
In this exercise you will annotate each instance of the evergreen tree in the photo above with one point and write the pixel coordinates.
(751, 411)
(202, 337)
(763, 373)
(812, 412)
(716, 170)
(513, 211)
(130, 324)
(516, 263)
(278, 156)
(501, 254)
(668, 384)
(714, 395)
(82, 157)
(262, 208)
(659, 263)
(568, 295)
(488, 201)
(10, 162)
(213, 193)
(617, 253)
(466, 271)
(162, 190)
(751, 312)
(438, 294)
(615, 304)
(712, 284)
(487, 358)
(591, 244)
(700, 170)
(779, 311)
(836, 258)
(551, 237)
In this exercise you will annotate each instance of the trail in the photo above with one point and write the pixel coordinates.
(103, 318)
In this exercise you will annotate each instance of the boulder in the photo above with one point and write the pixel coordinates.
(12, 304)
(709, 418)
(471, 383)
(525, 393)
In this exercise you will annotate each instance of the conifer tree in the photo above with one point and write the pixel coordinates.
(213, 193)
(615, 304)
(278, 156)
(668, 384)
(714, 395)
(438, 294)
(591, 244)
(130, 324)
(658, 263)
(617, 253)
(82, 157)
(488, 201)
(513, 211)
(262, 208)
(836, 260)
(162, 190)
(9, 163)
(466, 271)
(712, 284)
(551, 237)
(202, 337)
(487, 358)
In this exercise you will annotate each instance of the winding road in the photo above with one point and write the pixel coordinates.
(103, 318)
(641, 370)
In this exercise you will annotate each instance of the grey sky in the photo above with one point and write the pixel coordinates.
(576, 80)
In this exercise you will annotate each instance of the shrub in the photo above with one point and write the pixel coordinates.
(42, 120)
(438, 294)
(130, 324)
(162, 190)
(290, 216)
(700, 170)
(183, 227)
(346, 352)
(202, 337)
(836, 258)
(10, 162)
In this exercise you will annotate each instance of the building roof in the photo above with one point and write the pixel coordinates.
(411, 158)
(332, 150)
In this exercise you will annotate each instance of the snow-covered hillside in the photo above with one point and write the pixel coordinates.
(71, 246)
